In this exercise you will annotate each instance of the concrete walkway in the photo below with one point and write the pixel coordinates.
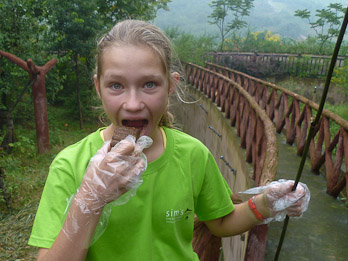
(322, 232)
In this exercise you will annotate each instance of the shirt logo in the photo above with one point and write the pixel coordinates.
(175, 215)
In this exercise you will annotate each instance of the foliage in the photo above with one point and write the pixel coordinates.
(340, 78)
(327, 24)
(222, 8)
(261, 41)
(73, 24)
(340, 110)
(190, 48)
(269, 42)
(254, 66)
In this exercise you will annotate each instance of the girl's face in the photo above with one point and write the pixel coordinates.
(134, 88)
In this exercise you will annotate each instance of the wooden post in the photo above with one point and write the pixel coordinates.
(39, 96)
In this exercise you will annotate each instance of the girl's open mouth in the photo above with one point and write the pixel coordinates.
(139, 124)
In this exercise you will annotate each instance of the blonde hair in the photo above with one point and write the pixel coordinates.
(137, 32)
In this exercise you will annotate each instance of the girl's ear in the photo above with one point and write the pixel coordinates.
(96, 84)
(174, 82)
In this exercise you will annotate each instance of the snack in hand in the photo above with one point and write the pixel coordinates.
(121, 132)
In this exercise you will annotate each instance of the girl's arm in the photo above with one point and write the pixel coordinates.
(74, 239)
(241, 219)
(274, 203)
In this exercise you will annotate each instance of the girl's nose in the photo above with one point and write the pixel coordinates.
(133, 101)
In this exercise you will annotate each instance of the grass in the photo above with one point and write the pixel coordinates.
(13, 241)
(25, 174)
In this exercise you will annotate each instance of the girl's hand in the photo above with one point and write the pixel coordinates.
(282, 201)
(279, 201)
(112, 173)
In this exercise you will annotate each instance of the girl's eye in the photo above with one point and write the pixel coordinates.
(116, 86)
(149, 85)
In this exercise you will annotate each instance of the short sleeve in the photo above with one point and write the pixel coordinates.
(214, 199)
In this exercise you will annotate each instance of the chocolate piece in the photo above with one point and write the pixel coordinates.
(121, 132)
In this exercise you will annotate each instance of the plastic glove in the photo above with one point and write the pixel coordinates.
(111, 176)
(112, 173)
(281, 201)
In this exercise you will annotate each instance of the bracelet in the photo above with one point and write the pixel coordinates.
(253, 209)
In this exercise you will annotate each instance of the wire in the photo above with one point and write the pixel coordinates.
(22, 93)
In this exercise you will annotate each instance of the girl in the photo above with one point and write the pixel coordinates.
(154, 220)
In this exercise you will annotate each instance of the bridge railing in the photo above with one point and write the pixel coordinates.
(275, 63)
(255, 129)
(293, 113)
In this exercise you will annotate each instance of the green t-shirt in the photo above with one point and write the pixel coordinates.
(157, 223)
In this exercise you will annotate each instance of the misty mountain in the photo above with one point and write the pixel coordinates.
(274, 15)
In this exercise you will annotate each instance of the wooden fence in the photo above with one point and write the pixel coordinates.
(274, 64)
(256, 131)
(293, 113)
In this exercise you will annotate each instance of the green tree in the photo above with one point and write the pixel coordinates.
(327, 23)
(189, 47)
(223, 9)
(73, 28)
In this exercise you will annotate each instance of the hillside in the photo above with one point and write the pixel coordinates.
(274, 15)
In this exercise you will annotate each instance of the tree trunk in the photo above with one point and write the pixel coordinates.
(89, 69)
(222, 36)
(3, 113)
(10, 136)
(40, 111)
(78, 90)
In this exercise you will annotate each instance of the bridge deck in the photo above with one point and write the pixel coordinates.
(322, 232)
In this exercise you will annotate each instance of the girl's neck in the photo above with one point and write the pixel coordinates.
(157, 148)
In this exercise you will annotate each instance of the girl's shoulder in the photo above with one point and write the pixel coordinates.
(181, 135)
(184, 140)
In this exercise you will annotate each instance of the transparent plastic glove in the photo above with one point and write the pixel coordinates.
(113, 175)
(281, 201)
(142, 142)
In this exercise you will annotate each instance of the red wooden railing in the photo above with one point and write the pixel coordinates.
(257, 135)
(293, 113)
